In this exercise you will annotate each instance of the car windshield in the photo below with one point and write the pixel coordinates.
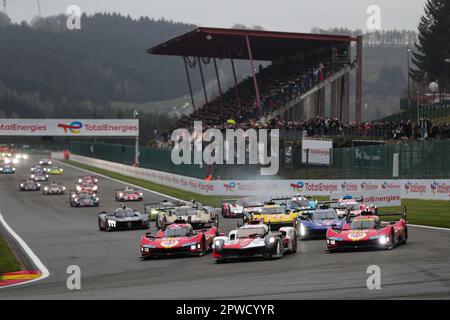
(30, 182)
(124, 213)
(325, 215)
(54, 185)
(177, 232)
(351, 206)
(300, 204)
(85, 196)
(272, 210)
(251, 232)
(359, 224)
(182, 212)
(129, 191)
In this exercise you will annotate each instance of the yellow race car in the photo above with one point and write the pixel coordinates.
(55, 170)
(275, 215)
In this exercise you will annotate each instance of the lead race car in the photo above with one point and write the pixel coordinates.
(45, 162)
(87, 187)
(255, 239)
(129, 194)
(179, 238)
(39, 176)
(29, 185)
(54, 188)
(87, 179)
(368, 231)
(123, 218)
(83, 199)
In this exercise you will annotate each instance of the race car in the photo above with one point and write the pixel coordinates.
(39, 176)
(236, 208)
(129, 194)
(54, 170)
(87, 179)
(300, 203)
(315, 223)
(45, 162)
(191, 212)
(347, 205)
(7, 170)
(255, 239)
(21, 156)
(87, 187)
(154, 209)
(275, 215)
(29, 185)
(53, 188)
(179, 238)
(368, 231)
(123, 218)
(38, 168)
(10, 161)
(83, 199)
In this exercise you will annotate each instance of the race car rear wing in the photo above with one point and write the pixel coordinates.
(404, 214)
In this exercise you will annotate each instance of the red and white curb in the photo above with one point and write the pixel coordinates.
(22, 277)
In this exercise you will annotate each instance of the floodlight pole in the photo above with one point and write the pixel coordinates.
(359, 56)
(255, 82)
(189, 82)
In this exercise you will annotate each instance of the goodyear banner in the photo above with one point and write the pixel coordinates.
(70, 127)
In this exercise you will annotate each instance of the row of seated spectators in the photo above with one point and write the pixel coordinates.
(278, 83)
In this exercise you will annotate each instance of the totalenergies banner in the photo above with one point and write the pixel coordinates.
(372, 190)
(70, 127)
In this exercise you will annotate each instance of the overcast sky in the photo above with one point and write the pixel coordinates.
(283, 15)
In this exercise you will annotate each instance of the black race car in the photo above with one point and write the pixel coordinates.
(29, 185)
(83, 199)
(123, 218)
(45, 162)
(54, 188)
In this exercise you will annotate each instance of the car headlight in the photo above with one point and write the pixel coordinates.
(33, 176)
(49, 162)
(45, 188)
(40, 162)
(95, 188)
(271, 240)
(383, 240)
(64, 188)
(15, 161)
(193, 247)
(78, 188)
(7, 161)
(38, 184)
(21, 184)
(25, 156)
(302, 230)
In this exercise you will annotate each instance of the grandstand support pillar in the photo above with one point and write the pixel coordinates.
(238, 100)
(333, 104)
(346, 102)
(255, 82)
(218, 82)
(358, 92)
(189, 82)
(203, 79)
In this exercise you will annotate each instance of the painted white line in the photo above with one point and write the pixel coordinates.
(34, 258)
(428, 227)
(120, 181)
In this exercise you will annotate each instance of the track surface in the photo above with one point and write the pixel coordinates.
(62, 236)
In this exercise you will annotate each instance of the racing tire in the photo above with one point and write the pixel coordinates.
(279, 251)
(393, 243)
(100, 225)
(405, 240)
(294, 244)
(204, 248)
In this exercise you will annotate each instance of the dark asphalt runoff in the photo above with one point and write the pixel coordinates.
(62, 236)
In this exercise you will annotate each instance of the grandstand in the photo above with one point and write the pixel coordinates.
(305, 72)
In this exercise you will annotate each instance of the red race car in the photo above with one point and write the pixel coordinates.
(86, 187)
(368, 231)
(178, 239)
(129, 194)
(87, 179)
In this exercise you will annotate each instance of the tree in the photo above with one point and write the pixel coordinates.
(433, 45)
(4, 20)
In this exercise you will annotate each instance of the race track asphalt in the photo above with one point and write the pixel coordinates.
(111, 269)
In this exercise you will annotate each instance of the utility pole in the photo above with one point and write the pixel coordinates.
(409, 82)
(136, 146)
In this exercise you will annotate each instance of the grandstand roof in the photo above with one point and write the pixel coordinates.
(231, 43)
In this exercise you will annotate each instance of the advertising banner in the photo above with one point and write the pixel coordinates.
(316, 152)
(70, 127)
(380, 192)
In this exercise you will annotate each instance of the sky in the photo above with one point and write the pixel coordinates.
(282, 15)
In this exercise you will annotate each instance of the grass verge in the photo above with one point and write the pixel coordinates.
(8, 261)
(424, 212)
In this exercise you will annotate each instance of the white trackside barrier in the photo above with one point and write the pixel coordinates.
(430, 189)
